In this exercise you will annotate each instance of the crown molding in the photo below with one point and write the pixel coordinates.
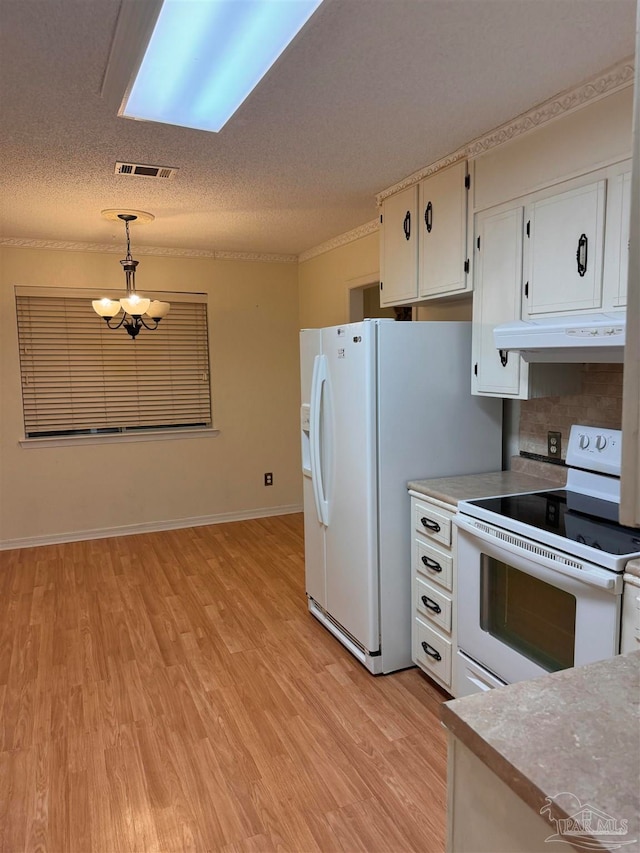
(340, 240)
(158, 251)
(606, 83)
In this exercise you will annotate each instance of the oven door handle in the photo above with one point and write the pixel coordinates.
(592, 576)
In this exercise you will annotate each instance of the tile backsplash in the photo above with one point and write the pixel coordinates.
(599, 404)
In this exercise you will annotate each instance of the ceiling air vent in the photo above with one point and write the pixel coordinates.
(146, 171)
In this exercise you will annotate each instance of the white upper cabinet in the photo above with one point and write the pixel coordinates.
(576, 245)
(423, 239)
(442, 249)
(617, 244)
(399, 248)
(496, 299)
(564, 249)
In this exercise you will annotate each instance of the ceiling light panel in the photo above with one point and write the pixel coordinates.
(205, 57)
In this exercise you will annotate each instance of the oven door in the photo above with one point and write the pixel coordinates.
(525, 610)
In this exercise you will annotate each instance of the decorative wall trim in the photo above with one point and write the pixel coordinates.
(613, 79)
(340, 240)
(153, 527)
(159, 251)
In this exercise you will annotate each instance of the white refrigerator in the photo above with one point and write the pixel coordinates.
(383, 402)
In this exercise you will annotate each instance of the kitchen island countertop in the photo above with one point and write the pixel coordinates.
(574, 732)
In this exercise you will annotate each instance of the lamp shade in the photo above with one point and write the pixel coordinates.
(135, 305)
(157, 310)
(106, 307)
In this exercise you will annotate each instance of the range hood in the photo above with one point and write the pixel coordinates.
(586, 338)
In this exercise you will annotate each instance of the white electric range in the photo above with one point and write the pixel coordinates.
(540, 573)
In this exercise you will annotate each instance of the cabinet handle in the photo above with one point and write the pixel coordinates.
(407, 225)
(504, 356)
(430, 525)
(581, 254)
(428, 217)
(431, 564)
(429, 650)
(431, 605)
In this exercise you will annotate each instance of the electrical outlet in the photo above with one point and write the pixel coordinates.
(554, 445)
(268, 479)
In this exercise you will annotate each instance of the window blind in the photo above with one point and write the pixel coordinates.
(78, 376)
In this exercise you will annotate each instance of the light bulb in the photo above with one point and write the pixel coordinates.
(135, 305)
(106, 307)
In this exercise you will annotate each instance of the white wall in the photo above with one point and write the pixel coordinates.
(80, 490)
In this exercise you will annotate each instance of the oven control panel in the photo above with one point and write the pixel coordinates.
(595, 449)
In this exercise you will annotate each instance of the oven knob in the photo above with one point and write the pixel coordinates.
(601, 442)
(584, 441)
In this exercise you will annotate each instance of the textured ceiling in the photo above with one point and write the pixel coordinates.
(371, 91)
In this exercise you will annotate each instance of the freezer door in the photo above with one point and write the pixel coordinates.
(314, 548)
(348, 453)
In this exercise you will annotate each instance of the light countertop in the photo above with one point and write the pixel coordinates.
(469, 486)
(574, 731)
(633, 568)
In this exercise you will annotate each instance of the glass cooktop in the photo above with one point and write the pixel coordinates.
(570, 515)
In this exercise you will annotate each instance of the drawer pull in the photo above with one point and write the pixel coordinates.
(431, 605)
(429, 650)
(431, 564)
(430, 525)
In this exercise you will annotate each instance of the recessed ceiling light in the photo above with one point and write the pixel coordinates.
(205, 57)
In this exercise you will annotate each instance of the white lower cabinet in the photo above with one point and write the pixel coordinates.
(433, 588)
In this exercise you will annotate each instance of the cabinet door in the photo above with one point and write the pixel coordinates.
(617, 238)
(564, 250)
(443, 232)
(496, 299)
(399, 248)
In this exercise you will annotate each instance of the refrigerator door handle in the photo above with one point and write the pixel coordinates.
(318, 382)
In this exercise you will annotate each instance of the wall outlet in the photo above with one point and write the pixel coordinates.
(554, 444)
(268, 479)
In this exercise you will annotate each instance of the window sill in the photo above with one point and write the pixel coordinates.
(117, 438)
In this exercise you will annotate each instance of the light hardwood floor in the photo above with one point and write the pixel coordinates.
(171, 692)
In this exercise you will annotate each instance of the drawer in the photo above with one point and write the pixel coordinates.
(432, 523)
(432, 604)
(432, 652)
(434, 564)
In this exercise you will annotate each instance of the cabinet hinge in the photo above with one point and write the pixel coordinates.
(381, 285)
(475, 369)
(529, 228)
(380, 219)
(467, 181)
(526, 290)
(478, 242)
(466, 265)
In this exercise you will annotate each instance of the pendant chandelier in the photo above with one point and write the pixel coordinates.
(136, 310)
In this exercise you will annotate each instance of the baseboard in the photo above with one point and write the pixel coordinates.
(153, 527)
